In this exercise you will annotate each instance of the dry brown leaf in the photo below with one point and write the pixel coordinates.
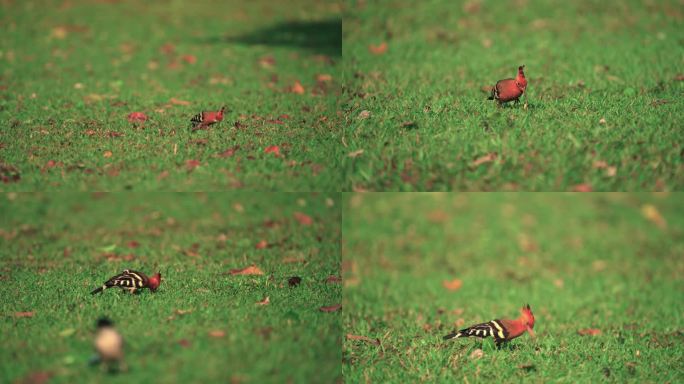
(331, 308)
(651, 213)
(476, 354)
(363, 338)
(182, 311)
(582, 188)
(589, 332)
(24, 314)
(107, 154)
(364, 114)
(251, 270)
(484, 159)
(323, 78)
(192, 164)
(356, 153)
(297, 88)
(217, 333)
(261, 244)
(265, 301)
(303, 219)
(378, 49)
(175, 101)
(452, 285)
(333, 279)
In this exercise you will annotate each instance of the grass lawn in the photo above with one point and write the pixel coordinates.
(605, 81)
(203, 324)
(606, 262)
(72, 71)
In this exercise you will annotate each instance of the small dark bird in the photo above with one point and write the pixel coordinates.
(109, 346)
(131, 280)
(501, 330)
(207, 118)
(509, 89)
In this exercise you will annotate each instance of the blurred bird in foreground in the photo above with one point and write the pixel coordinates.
(109, 346)
(510, 89)
(501, 330)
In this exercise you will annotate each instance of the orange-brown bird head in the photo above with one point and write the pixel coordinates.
(154, 282)
(520, 80)
(527, 318)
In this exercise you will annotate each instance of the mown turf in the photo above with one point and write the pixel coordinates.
(604, 95)
(607, 262)
(72, 71)
(56, 248)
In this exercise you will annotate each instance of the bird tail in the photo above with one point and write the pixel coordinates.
(452, 335)
(196, 120)
(98, 289)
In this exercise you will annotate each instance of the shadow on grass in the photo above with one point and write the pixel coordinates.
(321, 37)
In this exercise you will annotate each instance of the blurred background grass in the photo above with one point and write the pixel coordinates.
(611, 262)
(55, 248)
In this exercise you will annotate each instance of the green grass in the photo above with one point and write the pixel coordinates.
(580, 261)
(56, 248)
(604, 95)
(73, 71)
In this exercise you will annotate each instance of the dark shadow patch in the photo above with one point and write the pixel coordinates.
(320, 37)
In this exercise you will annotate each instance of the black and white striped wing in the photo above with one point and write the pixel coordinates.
(127, 279)
(196, 120)
(492, 328)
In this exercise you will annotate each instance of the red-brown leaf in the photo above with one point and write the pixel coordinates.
(273, 149)
(333, 279)
(262, 244)
(582, 188)
(24, 314)
(192, 164)
(303, 219)
(251, 270)
(265, 301)
(297, 88)
(217, 333)
(331, 308)
(484, 159)
(378, 49)
(175, 101)
(452, 285)
(134, 117)
(190, 59)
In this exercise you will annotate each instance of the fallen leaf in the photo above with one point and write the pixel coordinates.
(40, 377)
(251, 270)
(364, 115)
(582, 188)
(602, 120)
(273, 149)
(651, 213)
(378, 49)
(175, 101)
(363, 338)
(589, 332)
(265, 301)
(333, 279)
(267, 61)
(356, 153)
(297, 88)
(303, 219)
(261, 244)
(331, 308)
(107, 154)
(133, 244)
(294, 281)
(24, 314)
(190, 59)
(452, 285)
(527, 367)
(217, 333)
(134, 117)
(679, 77)
(185, 343)
(323, 78)
(182, 312)
(484, 159)
(50, 164)
(229, 152)
(162, 175)
(192, 164)
(67, 332)
(476, 354)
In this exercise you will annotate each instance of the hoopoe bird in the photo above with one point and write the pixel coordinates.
(501, 330)
(207, 118)
(509, 89)
(109, 345)
(131, 280)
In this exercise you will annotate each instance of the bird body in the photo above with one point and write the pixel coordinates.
(510, 89)
(109, 344)
(501, 330)
(132, 281)
(206, 118)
